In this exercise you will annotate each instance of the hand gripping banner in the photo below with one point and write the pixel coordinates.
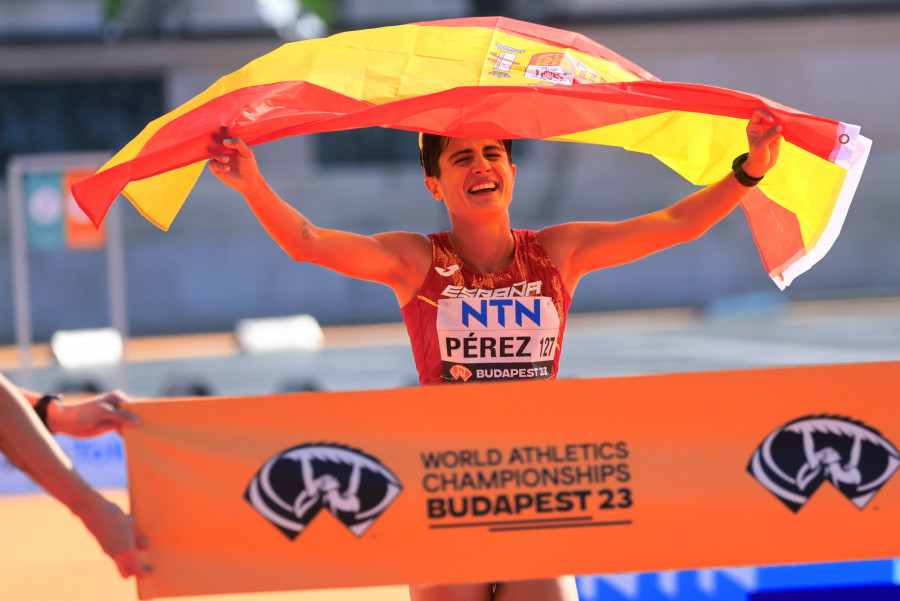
(508, 481)
(500, 78)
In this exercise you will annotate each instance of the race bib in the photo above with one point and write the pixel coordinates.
(485, 339)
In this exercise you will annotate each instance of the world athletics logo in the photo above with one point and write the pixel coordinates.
(292, 487)
(799, 456)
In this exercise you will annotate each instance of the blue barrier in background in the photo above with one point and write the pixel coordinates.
(99, 460)
(776, 583)
(844, 593)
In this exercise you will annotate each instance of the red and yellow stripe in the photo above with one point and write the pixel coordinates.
(496, 77)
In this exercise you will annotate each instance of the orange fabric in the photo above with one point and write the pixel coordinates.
(652, 474)
(80, 233)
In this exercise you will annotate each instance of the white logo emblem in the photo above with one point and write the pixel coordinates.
(799, 456)
(292, 487)
(447, 272)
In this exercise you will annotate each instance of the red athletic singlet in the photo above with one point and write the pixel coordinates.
(466, 326)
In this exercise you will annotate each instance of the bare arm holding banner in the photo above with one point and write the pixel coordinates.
(100, 414)
(29, 446)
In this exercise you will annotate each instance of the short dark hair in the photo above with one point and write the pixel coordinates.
(431, 146)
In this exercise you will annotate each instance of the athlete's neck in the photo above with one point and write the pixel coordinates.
(486, 249)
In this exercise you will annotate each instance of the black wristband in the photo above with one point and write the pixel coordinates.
(740, 175)
(41, 407)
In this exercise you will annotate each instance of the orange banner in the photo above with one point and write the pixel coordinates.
(81, 234)
(518, 480)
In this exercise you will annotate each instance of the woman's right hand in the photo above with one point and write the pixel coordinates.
(233, 162)
(117, 533)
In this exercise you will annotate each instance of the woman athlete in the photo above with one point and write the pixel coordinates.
(483, 301)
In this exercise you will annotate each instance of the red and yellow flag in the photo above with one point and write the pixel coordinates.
(499, 78)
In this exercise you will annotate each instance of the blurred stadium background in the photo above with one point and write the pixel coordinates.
(84, 76)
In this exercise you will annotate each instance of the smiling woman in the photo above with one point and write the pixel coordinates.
(441, 280)
(474, 178)
(483, 301)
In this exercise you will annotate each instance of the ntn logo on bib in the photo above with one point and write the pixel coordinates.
(497, 338)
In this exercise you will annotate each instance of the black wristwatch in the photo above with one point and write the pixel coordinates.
(740, 175)
(41, 406)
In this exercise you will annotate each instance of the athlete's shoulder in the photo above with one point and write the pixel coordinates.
(527, 236)
(558, 239)
(412, 252)
(411, 243)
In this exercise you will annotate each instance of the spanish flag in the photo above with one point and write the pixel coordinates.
(499, 78)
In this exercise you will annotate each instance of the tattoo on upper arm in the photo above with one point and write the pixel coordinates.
(304, 229)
